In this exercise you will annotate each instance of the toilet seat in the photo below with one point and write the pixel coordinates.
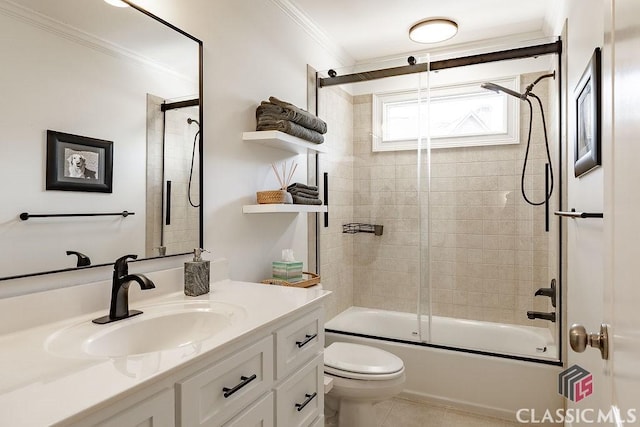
(361, 362)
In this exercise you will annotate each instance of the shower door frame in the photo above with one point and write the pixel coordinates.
(315, 84)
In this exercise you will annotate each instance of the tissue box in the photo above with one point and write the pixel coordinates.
(287, 270)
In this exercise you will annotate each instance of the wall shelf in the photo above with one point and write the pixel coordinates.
(282, 208)
(283, 141)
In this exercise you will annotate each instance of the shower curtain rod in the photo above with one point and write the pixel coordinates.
(482, 58)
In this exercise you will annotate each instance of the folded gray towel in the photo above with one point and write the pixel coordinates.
(305, 193)
(299, 200)
(298, 115)
(290, 128)
(301, 186)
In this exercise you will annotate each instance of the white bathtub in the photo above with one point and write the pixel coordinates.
(512, 340)
(496, 386)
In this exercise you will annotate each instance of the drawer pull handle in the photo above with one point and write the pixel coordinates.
(244, 381)
(309, 398)
(307, 339)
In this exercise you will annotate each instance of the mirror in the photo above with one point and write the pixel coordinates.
(99, 72)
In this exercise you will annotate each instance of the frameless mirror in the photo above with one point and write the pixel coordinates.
(117, 75)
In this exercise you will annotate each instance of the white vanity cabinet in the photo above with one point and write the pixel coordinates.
(226, 387)
(156, 411)
(270, 377)
(300, 398)
(284, 367)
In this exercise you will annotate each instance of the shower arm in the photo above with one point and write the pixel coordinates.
(530, 87)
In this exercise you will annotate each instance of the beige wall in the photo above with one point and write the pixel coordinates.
(489, 250)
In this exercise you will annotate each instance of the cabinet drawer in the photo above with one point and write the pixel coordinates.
(298, 342)
(157, 410)
(216, 393)
(300, 399)
(258, 414)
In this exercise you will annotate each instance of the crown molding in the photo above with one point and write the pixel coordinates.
(315, 31)
(60, 29)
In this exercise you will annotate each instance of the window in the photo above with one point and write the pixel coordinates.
(459, 116)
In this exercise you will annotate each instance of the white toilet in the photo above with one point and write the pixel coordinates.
(362, 375)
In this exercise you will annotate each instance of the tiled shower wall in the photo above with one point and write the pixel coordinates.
(386, 268)
(182, 235)
(489, 250)
(336, 259)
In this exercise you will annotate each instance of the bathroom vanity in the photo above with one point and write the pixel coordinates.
(249, 354)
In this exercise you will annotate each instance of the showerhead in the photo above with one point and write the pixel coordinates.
(497, 88)
(190, 120)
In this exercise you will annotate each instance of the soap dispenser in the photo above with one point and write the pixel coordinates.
(196, 275)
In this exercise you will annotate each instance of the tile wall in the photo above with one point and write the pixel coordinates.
(336, 248)
(489, 250)
(182, 235)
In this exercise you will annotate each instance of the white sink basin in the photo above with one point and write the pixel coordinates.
(160, 327)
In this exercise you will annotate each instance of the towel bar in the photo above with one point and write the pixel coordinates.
(574, 214)
(25, 215)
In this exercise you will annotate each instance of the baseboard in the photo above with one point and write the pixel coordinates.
(458, 404)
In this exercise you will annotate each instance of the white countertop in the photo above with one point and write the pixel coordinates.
(39, 388)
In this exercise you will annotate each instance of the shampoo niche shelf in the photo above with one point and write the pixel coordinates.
(281, 208)
(283, 141)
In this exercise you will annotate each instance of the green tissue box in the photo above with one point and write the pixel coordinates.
(287, 270)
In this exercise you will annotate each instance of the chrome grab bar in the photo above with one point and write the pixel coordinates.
(574, 214)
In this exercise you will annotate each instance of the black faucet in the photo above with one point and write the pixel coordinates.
(83, 260)
(120, 291)
(548, 292)
(544, 316)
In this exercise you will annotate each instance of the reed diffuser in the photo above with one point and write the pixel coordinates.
(284, 175)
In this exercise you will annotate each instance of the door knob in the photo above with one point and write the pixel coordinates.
(579, 339)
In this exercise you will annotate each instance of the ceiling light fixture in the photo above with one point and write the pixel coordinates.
(433, 30)
(117, 3)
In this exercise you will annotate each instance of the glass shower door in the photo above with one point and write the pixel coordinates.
(485, 251)
(373, 183)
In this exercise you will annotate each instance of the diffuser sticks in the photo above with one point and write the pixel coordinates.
(287, 174)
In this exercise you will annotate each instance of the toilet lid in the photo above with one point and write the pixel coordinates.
(345, 359)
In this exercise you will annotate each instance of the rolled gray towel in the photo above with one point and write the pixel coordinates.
(299, 116)
(299, 200)
(290, 128)
(301, 186)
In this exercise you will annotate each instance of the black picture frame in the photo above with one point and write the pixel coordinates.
(588, 136)
(78, 163)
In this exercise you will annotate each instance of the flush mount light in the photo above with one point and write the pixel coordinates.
(117, 3)
(433, 30)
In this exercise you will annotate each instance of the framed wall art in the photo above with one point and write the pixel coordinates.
(588, 131)
(78, 163)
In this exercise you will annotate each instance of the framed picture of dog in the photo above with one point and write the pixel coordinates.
(78, 163)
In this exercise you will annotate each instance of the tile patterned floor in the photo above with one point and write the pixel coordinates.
(399, 412)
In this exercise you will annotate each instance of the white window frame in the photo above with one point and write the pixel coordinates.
(512, 113)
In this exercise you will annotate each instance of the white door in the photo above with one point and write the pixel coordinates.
(622, 181)
(616, 240)
(585, 237)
